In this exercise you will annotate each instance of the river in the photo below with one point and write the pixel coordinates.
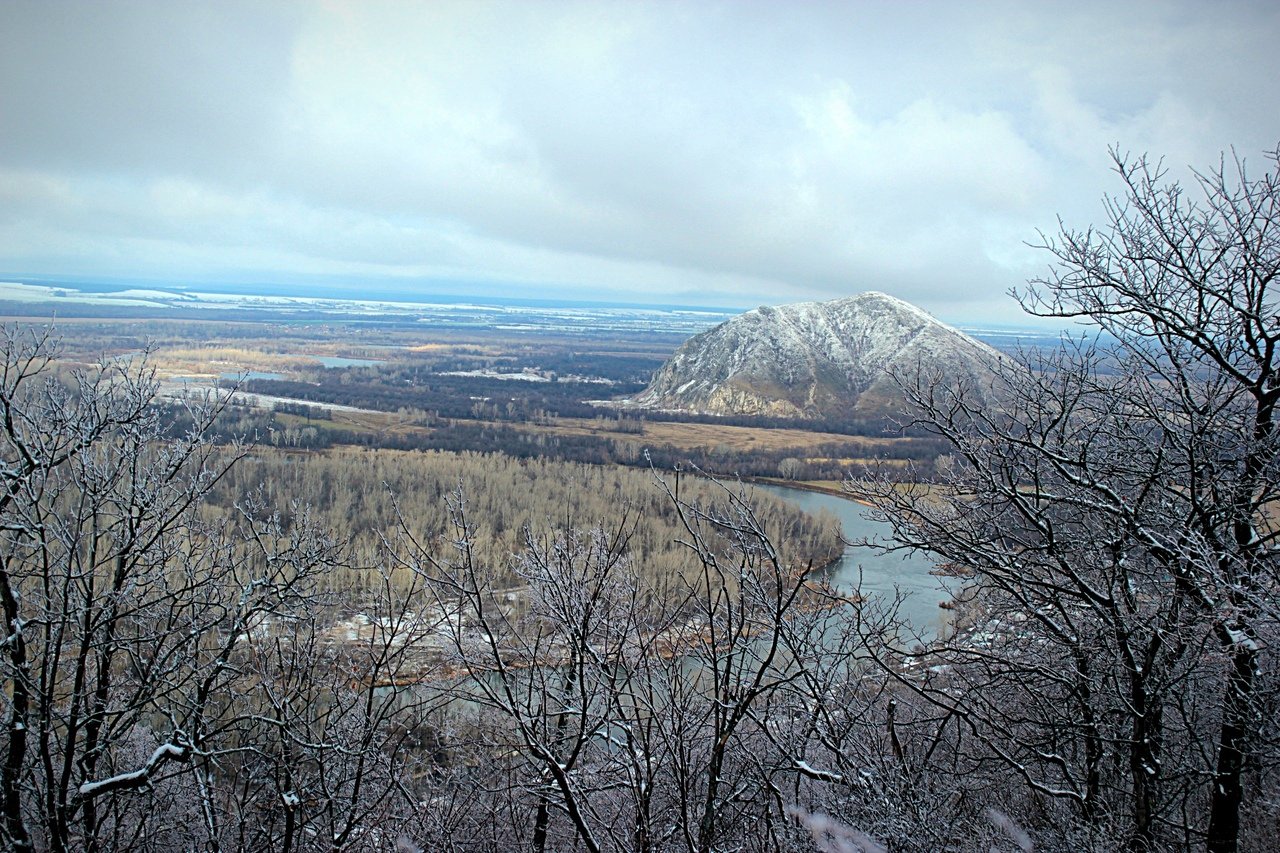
(880, 573)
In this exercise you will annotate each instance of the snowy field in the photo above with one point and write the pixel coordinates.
(470, 313)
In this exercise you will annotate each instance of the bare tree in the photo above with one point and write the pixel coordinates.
(628, 716)
(168, 679)
(1117, 516)
(103, 582)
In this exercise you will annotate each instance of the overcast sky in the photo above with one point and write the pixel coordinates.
(693, 152)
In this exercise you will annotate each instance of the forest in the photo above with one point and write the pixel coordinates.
(364, 496)
(605, 441)
(227, 630)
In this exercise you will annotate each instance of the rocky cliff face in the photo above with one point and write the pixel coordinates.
(813, 360)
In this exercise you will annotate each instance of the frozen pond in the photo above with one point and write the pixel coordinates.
(343, 361)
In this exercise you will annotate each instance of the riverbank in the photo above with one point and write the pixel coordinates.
(832, 488)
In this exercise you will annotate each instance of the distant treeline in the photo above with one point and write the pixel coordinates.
(825, 461)
(839, 426)
(616, 367)
(395, 387)
(390, 389)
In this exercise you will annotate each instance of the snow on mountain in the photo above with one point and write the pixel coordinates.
(814, 360)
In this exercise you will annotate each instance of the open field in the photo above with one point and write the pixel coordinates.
(690, 435)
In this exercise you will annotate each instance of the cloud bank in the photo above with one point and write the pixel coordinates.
(668, 152)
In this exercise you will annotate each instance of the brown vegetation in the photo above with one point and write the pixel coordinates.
(365, 495)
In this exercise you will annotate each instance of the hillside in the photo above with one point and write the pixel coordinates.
(813, 360)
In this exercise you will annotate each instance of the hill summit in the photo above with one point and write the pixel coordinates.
(814, 360)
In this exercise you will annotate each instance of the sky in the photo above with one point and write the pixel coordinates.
(700, 153)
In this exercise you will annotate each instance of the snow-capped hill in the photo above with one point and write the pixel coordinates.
(814, 360)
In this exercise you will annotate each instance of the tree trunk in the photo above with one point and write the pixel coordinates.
(1228, 788)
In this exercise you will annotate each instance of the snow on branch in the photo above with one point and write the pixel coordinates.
(139, 777)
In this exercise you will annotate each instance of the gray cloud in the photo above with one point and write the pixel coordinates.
(701, 152)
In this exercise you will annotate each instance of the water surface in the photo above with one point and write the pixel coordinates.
(880, 574)
(343, 361)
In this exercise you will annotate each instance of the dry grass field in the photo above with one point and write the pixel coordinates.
(683, 436)
(692, 435)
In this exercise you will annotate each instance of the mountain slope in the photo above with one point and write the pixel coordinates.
(813, 360)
